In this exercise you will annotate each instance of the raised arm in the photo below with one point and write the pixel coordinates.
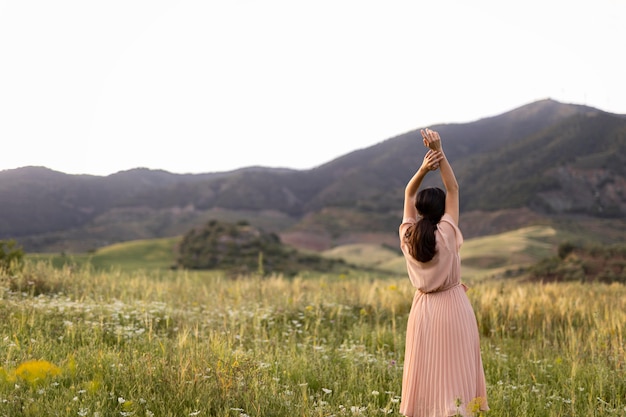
(433, 141)
(430, 163)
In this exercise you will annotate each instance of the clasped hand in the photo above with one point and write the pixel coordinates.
(431, 160)
(432, 141)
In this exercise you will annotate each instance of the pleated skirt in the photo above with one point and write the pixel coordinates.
(443, 372)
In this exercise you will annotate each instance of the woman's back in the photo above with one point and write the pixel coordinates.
(444, 270)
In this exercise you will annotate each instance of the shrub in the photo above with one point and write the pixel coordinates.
(565, 249)
(11, 257)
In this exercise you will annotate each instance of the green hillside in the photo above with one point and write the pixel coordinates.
(507, 254)
(364, 255)
(148, 254)
(504, 254)
(501, 255)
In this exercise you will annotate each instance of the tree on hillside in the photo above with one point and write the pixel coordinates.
(239, 248)
(11, 257)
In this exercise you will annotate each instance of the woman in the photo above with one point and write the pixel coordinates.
(443, 372)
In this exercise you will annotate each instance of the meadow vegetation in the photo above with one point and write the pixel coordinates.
(84, 341)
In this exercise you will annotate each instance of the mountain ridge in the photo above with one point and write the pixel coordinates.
(541, 162)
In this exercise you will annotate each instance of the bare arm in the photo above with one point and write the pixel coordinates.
(433, 141)
(430, 163)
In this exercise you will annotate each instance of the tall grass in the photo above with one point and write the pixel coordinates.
(183, 344)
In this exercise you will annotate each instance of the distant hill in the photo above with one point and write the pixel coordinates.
(239, 248)
(590, 263)
(543, 163)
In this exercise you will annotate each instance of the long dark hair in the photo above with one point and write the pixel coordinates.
(430, 204)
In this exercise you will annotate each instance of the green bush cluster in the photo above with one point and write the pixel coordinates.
(11, 257)
(239, 248)
(601, 263)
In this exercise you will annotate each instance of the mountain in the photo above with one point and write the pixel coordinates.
(544, 162)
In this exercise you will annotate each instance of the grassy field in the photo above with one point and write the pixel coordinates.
(142, 340)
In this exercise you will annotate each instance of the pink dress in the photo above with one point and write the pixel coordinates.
(443, 372)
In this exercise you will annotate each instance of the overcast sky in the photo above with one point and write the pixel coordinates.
(98, 87)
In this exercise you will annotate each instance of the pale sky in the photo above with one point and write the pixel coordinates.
(97, 87)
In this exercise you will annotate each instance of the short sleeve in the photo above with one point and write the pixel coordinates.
(448, 227)
(406, 223)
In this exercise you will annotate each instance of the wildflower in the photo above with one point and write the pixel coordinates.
(475, 405)
(71, 366)
(327, 391)
(36, 371)
(375, 393)
(93, 386)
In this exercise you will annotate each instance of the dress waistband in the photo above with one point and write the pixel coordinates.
(444, 289)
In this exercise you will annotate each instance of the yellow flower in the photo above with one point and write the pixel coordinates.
(71, 365)
(36, 371)
(94, 385)
(474, 406)
(128, 405)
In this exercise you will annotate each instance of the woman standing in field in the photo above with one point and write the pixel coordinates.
(443, 372)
